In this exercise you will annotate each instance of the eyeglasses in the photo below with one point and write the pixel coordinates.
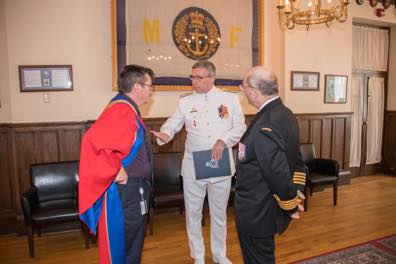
(243, 87)
(150, 86)
(198, 78)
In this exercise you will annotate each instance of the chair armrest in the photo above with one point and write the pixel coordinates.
(326, 167)
(310, 165)
(29, 202)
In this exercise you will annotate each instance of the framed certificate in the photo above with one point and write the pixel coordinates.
(335, 89)
(304, 81)
(38, 78)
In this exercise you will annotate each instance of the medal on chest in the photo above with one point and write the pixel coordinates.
(241, 151)
(223, 111)
(194, 112)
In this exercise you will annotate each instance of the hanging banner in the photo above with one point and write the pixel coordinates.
(169, 36)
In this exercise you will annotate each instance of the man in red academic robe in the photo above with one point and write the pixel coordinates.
(115, 171)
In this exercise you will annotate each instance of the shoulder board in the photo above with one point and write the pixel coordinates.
(186, 94)
(230, 90)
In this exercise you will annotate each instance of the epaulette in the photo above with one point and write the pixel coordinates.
(274, 135)
(230, 90)
(186, 94)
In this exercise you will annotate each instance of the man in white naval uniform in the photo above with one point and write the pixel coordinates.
(213, 120)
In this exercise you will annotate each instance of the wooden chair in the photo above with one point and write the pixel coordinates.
(320, 172)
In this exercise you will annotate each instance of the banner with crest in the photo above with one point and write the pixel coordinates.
(169, 36)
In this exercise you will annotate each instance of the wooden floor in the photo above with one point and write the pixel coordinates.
(366, 210)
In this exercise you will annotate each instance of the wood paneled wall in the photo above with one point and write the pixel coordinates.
(24, 144)
(389, 143)
(330, 134)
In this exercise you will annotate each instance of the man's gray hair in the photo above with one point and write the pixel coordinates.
(206, 65)
(265, 81)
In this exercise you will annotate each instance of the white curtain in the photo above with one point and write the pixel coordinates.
(356, 131)
(370, 48)
(375, 119)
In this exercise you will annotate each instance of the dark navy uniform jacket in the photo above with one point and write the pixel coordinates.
(270, 170)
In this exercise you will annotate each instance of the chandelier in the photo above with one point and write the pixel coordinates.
(311, 12)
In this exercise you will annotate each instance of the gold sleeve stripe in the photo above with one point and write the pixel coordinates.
(299, 182)
(266, 129)
(287, 205)
(299, 178)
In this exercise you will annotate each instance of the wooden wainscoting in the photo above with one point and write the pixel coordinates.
(389, 143)
(331, 134)
(24, 144)
(7, 185)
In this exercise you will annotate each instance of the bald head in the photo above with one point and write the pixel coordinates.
(262, 79)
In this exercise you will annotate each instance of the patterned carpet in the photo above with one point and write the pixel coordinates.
(379, 251)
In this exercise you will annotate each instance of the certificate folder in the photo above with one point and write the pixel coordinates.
(205, 167)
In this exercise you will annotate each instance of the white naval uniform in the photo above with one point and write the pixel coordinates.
(207, 118)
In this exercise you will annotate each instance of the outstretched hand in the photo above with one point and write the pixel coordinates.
(301, 197)
(161, 136)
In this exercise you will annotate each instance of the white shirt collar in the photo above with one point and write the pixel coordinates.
(213, 90)
(269, 101)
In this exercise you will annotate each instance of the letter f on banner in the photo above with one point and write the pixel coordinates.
(151, 31)
(233, 36)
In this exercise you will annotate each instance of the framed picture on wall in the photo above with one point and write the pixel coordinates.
(38, 78)
(304, 81)
(335, 89)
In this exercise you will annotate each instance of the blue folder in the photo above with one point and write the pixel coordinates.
(205, 167)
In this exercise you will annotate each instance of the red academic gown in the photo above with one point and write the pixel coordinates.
(106, 143)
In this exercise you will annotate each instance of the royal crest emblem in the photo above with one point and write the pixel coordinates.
(196, 33)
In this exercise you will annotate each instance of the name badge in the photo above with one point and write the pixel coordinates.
(143, 202)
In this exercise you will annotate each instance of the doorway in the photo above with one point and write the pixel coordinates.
(368, 97)
(368, 87)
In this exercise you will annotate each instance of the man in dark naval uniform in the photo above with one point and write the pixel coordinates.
(270, 170)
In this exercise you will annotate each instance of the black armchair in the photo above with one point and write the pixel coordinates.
(52, 198)
(320, 172)
(167, 184)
